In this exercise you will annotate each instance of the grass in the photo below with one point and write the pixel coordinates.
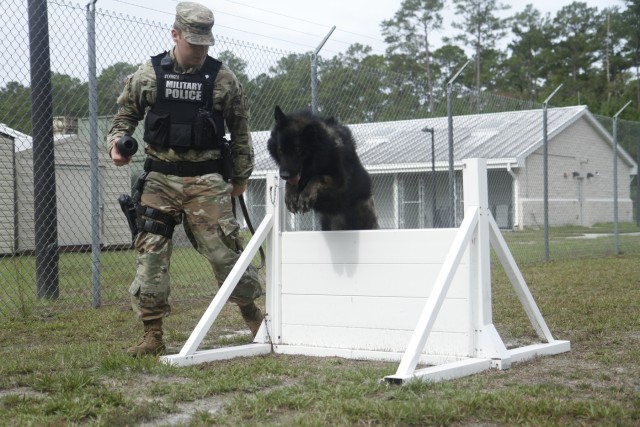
(70, 368)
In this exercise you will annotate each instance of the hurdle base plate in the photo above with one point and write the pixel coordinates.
(216, 354)
(472, 366)
(447, 371)
(383, 356)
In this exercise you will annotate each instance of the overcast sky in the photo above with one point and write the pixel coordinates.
(300, 25)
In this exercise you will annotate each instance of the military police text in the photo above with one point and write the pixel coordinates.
(182, 90)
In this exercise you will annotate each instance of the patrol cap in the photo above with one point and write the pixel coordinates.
(195, 22)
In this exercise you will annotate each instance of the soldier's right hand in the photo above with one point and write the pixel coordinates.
(117, 158)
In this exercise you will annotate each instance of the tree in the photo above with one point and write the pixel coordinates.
(70, 96)
(527, 66)
(237, 65)
(447, 60)
(480, 26)
(612, 77)
(350, 90)
(358, 87)
(409, 30)
(631, 49)
(110, 84)
(15, 107)
(575, 41)
(286, 84)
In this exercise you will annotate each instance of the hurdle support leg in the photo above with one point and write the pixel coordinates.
(189, 354)
(486, 348)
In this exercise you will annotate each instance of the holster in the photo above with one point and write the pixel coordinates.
(129, 204)
(129, 209)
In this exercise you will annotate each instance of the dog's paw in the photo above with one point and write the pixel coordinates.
(291, 201)
(305, 203)
(292, 207)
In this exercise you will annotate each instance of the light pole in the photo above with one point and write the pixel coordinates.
(433, 175)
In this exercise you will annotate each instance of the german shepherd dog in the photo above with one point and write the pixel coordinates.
(317, 158)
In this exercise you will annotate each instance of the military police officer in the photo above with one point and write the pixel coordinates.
(187, 97)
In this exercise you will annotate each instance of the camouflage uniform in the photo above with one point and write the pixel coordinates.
(205, 200)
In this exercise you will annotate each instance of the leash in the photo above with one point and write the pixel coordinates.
(245, 213)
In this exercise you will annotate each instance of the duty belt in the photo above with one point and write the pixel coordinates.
(183, 168)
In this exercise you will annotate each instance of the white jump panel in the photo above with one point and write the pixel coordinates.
(365, 290)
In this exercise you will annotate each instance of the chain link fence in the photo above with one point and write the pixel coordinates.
(412, 146)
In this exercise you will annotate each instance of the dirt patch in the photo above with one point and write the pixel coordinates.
(186, 410)
(23, 392)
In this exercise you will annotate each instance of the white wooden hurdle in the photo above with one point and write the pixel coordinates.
(413, 296)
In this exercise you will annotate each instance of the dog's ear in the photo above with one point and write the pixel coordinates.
(310, 132)
(281, 118)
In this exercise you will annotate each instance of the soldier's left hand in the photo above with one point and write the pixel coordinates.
(238, 190)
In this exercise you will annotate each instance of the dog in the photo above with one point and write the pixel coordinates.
(317, 158)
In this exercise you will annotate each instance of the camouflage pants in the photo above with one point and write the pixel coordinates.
(205, 202)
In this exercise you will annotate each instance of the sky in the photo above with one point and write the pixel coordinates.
(301, 25)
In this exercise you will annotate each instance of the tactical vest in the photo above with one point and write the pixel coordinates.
(183, 116)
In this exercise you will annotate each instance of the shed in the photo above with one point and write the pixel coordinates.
(411, 185)
(7, 190)
(73, 193)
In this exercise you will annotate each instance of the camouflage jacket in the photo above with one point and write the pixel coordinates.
(139, 95)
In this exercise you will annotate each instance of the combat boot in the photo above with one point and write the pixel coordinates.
(252, 316)
(151, 343)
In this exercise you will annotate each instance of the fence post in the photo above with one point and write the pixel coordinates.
(93, 146)
(545, 159)
(452, 216)
(433, 175)
(314, 72)
(44, 173)
(615, 179)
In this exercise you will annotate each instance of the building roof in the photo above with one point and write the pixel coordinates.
(21, 140)
(504, 139)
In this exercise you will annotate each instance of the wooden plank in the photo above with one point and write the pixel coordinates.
(381, 280)
(368, 246)
(425, 359)
(371, 312)
(438, 343)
